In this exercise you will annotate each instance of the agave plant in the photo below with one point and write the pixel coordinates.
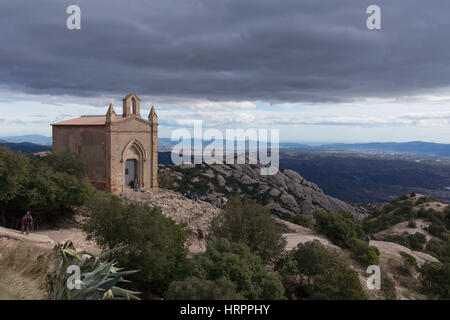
(98, 278)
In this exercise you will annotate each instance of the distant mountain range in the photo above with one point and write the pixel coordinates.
(25, 146)
(414, 147)
(31, 138)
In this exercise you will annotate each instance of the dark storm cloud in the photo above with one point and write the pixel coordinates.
(271, 50)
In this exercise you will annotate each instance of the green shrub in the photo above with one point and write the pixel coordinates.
(412, 241)
(233, 269)
(340, 228)
(435, 278)
(313, 271)
(194, 288)
(436, 229)
(155, 244)
(363, 253)
(66, 162)
(409, 259)
(49, 185)
(445, 236)
(302, 220)
(417, 241)
(14, 168)
(388, 287)
(399, 210)
(438, 249)
(247, 222)
(412, 224)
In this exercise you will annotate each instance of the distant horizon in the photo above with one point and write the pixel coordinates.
(309, 143)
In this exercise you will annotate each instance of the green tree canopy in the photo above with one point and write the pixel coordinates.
(436, 279)
(313, 271)
(233, 269)
(155, 244)
(14, 167)
(248, 222)
(340, 227)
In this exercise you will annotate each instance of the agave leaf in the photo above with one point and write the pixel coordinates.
(120, 292)
(110, 251)
(98, 278)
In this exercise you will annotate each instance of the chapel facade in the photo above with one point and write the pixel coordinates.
(118, 150)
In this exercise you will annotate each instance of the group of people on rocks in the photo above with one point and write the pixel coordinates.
(136, 186)
(221, 203)
(191, 196)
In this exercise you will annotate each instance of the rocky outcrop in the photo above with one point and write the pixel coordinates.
(286, 193)
(193, 214)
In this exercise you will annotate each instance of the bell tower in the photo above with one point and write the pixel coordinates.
(131, 105)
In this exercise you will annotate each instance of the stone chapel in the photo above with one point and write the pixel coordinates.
(118, 150)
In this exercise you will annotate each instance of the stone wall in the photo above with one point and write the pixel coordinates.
(89, 142)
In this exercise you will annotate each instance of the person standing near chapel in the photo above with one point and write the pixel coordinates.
(27, 221)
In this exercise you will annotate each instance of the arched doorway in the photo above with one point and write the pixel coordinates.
(130, 172)
(133, 158)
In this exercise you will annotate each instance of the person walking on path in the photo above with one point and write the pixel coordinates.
(200, 238)
(368, 239)
(27, 220)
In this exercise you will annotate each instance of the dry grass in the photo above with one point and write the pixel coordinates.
(23, 272)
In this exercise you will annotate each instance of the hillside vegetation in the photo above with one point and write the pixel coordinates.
(48, 186)
(415, 221)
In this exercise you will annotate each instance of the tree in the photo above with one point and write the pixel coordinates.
(66, 162)
(14, 167)
(313, 271)
(302, 220)
(436, 279)
(363, 253)
(55, 188)
(194, 288)
(233, 269)
(341, 228)
(155, 244)
(52, 183)
(250, 223)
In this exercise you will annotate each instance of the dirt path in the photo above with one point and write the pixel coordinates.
(402, 227)
(33, 237)
(389, 249)
(293, 239)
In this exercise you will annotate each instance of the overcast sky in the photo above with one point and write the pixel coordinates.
(307, 67)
